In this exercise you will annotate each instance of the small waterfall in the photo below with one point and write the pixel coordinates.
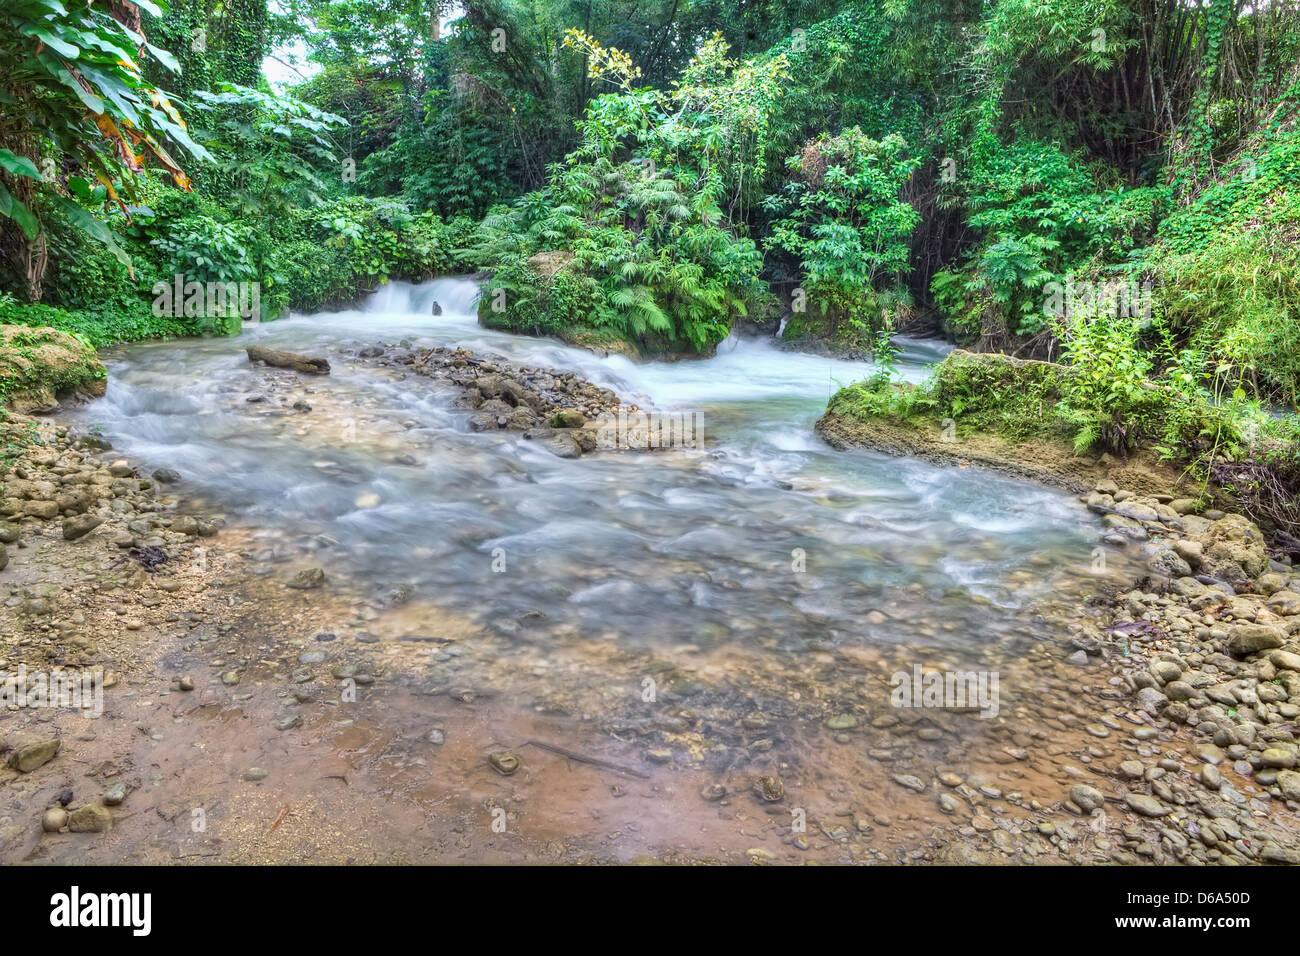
(454, 296)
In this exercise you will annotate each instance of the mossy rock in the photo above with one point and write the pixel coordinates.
(38, 365)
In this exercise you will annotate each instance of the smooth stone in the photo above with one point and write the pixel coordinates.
(34, 756)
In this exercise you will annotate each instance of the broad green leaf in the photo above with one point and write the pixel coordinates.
(18, 165)
(13, 209)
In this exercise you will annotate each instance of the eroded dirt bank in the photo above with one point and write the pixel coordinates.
(326, 723)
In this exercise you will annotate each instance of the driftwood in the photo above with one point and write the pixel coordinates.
(299, 363)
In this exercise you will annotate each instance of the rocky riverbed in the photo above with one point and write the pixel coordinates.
(261, 706)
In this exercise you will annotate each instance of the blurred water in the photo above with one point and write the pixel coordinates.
(674, 546)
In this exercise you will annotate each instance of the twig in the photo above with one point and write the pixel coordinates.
(594, 761)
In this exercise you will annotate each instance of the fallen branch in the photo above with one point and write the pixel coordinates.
(583, 758)
(299, 363)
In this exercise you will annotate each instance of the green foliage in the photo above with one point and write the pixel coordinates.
(652, 258)
(273, 153)
(331, 255)
(844, 224)
(107, 325)
(73, 95)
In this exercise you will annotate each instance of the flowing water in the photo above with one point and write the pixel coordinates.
(387, 480)
(505, 596)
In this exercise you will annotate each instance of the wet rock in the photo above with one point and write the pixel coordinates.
(254, 774)
(563, 446)
(910, 782)
(713, 792)
(4, 557)
(288, 722)
(166, 476)
(503, 762)
(437, 737)
(89, 819)
(34, 756)
(567, 418)
(230, 678)
(769, 789)
(306, 579)
(79, 525)
(8, 532)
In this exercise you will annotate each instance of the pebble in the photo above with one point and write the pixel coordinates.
(503, 762)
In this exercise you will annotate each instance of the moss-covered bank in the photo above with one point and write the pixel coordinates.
(1037, 420)
(37, 365)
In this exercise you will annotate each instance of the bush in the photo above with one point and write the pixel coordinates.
(107, 326)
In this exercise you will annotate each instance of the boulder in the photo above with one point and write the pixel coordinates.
(37, 365)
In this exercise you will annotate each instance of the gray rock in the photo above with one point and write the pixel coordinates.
(1273, 853)
(910, 782)
(1247, 639)
(1166, 671)
(34, 756)
(1151, 701)
(114, 795)
(1169, 564)
(1147, 806)
(79, 525)
(1288, 782)
(1086, 798)
(564, 446)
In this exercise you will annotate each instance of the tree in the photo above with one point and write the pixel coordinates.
(79, 120)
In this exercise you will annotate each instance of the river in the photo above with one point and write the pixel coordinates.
(386, 477)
